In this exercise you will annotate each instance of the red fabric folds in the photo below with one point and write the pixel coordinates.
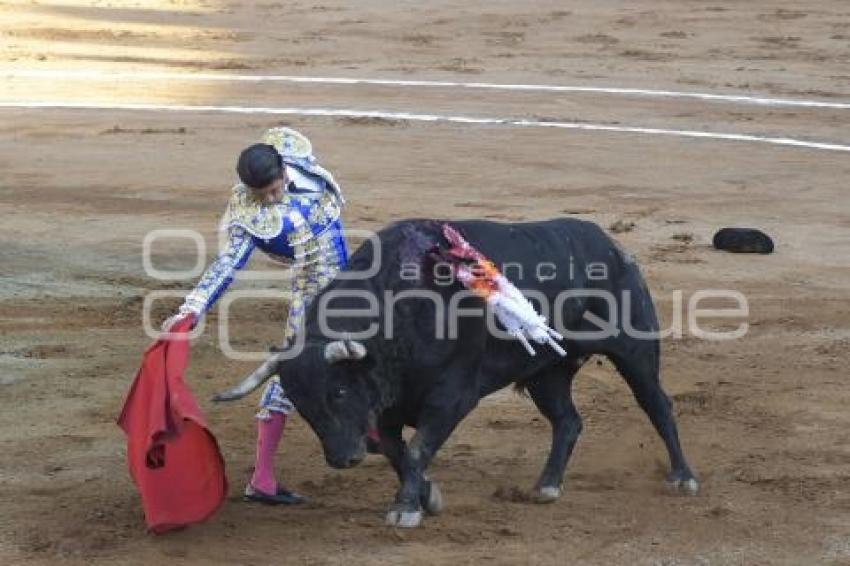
(173, 458)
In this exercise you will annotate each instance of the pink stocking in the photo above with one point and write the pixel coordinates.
(269, 432)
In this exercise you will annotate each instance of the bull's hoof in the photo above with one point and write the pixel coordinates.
(687, 486)
(547, 494)
(432, 498)
(399, 517)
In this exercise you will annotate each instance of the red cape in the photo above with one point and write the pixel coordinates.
(173, 458)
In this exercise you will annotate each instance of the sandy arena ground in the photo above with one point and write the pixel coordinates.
(763, 419)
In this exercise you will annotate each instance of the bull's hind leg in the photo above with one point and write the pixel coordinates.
(640, 368)
(551, 391)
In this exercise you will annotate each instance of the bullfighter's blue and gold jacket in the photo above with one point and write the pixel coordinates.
(304, 228)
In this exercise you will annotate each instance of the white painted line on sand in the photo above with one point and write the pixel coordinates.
(164, 76)
(405, 116)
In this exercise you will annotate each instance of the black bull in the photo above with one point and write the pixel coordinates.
(408, 372)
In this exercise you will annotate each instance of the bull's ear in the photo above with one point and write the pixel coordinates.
(342, 350)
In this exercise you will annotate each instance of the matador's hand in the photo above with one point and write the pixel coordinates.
(169, 323)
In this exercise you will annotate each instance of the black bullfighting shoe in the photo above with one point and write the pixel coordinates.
(281, 497)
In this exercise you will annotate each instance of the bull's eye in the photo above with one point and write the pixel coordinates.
(339, 392)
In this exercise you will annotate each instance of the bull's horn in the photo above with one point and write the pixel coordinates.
(344, 350)
(250, 383)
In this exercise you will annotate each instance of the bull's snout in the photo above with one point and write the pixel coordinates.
(349, 460)
(342, 463)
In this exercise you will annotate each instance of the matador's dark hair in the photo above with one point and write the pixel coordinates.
(259, 165)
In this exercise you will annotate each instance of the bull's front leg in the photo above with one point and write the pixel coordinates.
(417, 491)
(395, 449)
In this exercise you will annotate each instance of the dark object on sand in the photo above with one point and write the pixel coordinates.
(743, 241)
